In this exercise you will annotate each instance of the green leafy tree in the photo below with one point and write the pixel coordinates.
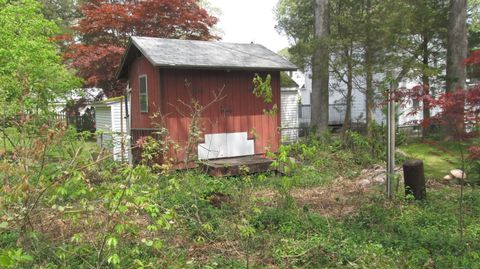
(370, 37)
(295, 18)
(306, 22)
(345, 62)
(63, 12)
(427, 24)
(31, 72)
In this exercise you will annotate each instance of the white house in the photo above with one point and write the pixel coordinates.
(89, 95)
(337, 105)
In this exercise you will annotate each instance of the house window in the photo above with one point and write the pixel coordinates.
(143, 93)
(416, 103)
(433, 92)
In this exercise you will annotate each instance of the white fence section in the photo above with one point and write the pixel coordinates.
(336, 114)
(304, 115)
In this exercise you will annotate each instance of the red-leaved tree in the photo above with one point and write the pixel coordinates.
(103, 31)
(458, 109)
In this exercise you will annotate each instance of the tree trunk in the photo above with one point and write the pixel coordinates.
(320, 70)
(414, 179)
(426, 88)
(369, 94)
(456, 52)
(348, 109)
(457, 45)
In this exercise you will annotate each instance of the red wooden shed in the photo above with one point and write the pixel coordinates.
(164, 74)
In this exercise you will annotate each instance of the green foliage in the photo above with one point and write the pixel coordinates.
(296, 19)
(13, 258)
(472, 162)
(102, 214)
(31, 73)
(262, 88)
(319, 160)
(473, 171)
(427, 233)
(62, 12)
(370, 149)
(286, 81)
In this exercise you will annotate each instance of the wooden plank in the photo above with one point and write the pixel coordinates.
(237, 166)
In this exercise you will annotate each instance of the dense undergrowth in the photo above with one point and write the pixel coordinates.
(66, 207)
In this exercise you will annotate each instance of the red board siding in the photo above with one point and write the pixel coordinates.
(239, 111)
(141, 66)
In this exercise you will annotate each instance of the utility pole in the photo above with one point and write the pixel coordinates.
(390, 141)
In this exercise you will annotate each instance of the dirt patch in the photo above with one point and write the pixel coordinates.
(332, 202)
(340, 198)
(345, 195)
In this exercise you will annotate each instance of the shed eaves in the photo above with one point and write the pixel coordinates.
(209, 54)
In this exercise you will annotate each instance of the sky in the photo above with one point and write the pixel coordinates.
(245, 21)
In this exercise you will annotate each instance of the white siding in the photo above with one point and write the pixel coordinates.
(338, 90)
(112, 124)
(103, 119)
(289, 115)
(119, 127)
(103, 123)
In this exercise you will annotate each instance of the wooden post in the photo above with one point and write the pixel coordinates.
(414, 179)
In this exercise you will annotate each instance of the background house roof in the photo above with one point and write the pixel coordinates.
(177, 53)
(108, 101)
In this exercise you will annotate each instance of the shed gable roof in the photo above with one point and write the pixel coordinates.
(176, 53)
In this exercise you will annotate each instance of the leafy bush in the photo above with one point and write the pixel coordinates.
(98, 213)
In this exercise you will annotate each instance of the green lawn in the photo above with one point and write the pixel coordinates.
(438, 157)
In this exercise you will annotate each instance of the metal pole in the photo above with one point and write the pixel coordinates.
(390, 142)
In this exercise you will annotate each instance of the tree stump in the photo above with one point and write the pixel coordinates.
(414, 177)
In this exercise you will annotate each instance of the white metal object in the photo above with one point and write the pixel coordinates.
(225, 145)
